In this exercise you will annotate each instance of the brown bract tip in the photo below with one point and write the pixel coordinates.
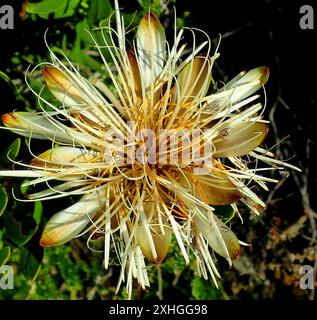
(265, 74)
(150, 15)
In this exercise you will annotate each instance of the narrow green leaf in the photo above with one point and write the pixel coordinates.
(24, 189)
(4, 255)
(225, 213)
(14, 149)
(9, 93)
(4, 77)
(3, 200)
(11, 152)
(38, 212)
(14, 231)
(31, 261)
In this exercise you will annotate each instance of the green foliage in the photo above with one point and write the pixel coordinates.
(81, 46)
(72, 272)
(204, 290)
(38, 212)
(225, 213)
(58, 9)
(30, 261)
(14, 232)
(5, 78)
(9, 92)
(4, 255)
(3, 200)
(99, 10)
(153, 5)
(11, 152)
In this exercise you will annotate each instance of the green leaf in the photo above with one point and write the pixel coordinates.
(11, 152)
(204, 290)
(4, 255)
(82, 45)
(9, 93)
(4, 77)
(83, 39)
(21, 232)
(3, 200)
(38, 212)
(15, 232)
(225, 213)
(59, 9)
(153, 5)
(14, 149)
(24, 189)
(30, 261)
(99, 10)
(37, 85)
(77, 55)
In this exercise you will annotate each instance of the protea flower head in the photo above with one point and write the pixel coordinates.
(152, 155)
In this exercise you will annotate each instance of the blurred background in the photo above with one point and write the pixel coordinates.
(254, 33)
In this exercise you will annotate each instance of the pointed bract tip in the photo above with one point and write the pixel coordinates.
(265, 74)
(7, 118)
(150, 19)
(45, 242)
(48, 72)
(150, 15)
(52, 238)
(55, 78)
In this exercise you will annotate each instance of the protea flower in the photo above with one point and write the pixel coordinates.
(153, 155)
